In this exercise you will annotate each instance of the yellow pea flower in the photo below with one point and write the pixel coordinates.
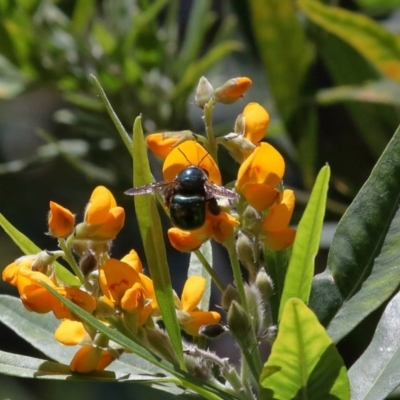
(60, 220)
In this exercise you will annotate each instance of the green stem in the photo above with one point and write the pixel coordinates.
(66, 247)
(249, 346)
(212, 143)
(210, 270)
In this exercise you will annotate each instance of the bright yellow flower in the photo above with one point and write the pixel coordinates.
(277, 236)
(190, 153)
(60, 220)
(232, 90)
(103, 218)
(256, 121)
(189, 316)
(259, 175)
(71, 333)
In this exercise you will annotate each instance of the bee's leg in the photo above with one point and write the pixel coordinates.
(213, 206)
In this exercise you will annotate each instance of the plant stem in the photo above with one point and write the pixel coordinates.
(210, 270)
(65, 246)
(212, 144)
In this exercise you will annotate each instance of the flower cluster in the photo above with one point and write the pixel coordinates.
(253, 213)
(104, 287)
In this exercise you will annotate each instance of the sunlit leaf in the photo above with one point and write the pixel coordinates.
(305, 247)
(304, 363)
(379, 46)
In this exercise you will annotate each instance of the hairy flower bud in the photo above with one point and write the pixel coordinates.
(238, 321)
(204, 91)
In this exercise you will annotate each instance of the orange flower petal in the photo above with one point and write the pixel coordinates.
(260, 195)
(85, 359)
(256, 122)
(133, 299)
(192, 292)
(200, 318)
(106, 358)
(279, 215)
(71, 333)
(232, 90)
(101, 201)
(221, 225)
(184, 241)
(279, 240)
(112, 225)
(264, 165)
(160, 145)
(190, 153)
(60, 220)
(133, 260)
(115, 278)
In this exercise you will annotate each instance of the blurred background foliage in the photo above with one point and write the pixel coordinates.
(327, 71)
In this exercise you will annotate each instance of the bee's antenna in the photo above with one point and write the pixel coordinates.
(184, 155)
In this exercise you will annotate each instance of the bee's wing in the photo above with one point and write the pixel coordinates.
(213, 190)
(151, 188)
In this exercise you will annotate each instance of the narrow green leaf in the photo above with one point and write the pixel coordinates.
(306, 244)
(28, 247)
(363, 258)
(284, 51)
(196, 268)
(379, 46)
(304, 363)
(118, 124)
(377, 372)
(378, 6)
(382, 91)
(153, 241)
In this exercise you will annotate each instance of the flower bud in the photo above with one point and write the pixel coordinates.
(255, 306)
(88, 262)
(232, 90)
(238, 321)
(265, 285)
(161, 344)
(212, 331)
(60, 220)
(238, 146)
(245, 251)
(230, 294)
(204, 91)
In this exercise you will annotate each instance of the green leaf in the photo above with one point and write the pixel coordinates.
(376, 373)
(196, 268)
(28, 247)
(153, 241)
(378, 6)
(38, 330)
(283, 48)
(304, 363)
(83, 14)
(382, 91)
(306, 244)
(375, 43)
(363, 269)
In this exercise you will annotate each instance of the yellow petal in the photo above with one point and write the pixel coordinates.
(256, 122)
(192, 292)
(60, 220)
(264, 165)
(161, 146)
(279, 215)
(133, 260)
(279, 240)
(200, 318)
(260, 195)
(190, 153)
(85, 359)
(184, 241)
(71, 333)
(232, 90)
(101, 201)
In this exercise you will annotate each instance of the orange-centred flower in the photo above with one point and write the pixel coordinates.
(259, 175)
(276, 234)
(232, 90)
(189, 316)
(190, 153)
(60, 220)
(219, 227)
(103, 218)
